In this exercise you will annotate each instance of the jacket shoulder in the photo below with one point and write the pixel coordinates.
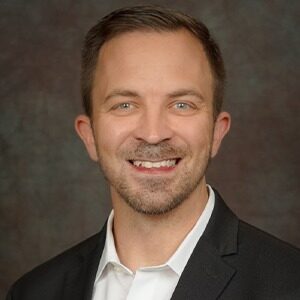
(52, 272)
(265, 245)
(266, 264)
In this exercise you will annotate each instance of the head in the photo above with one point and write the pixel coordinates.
(147, 19)
(152, 85)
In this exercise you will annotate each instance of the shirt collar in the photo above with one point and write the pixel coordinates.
(109, 254)
(178, 260)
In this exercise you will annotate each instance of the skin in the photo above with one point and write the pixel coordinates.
(152, 100)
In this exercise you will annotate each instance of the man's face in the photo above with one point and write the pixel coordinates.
(153, 129)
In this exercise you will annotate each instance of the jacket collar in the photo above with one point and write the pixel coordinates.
(79, 281)
(222, 230)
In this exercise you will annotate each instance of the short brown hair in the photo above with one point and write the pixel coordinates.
(149, 18)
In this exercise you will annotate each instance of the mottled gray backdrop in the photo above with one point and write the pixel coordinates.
(52, 196)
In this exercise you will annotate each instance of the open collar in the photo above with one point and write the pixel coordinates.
(180, 257)
(204, 277)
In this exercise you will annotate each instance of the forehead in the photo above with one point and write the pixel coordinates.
(154, 60)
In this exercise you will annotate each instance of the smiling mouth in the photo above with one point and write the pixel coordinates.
(166, 164)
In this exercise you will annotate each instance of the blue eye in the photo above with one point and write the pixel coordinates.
(182, 106)
(124, 106)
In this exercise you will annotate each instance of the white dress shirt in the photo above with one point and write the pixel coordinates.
(114, 281)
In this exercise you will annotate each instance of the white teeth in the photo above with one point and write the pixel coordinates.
(158, 164)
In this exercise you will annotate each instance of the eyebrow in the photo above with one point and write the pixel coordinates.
(174, 94)
(185, 92)
(122, 93)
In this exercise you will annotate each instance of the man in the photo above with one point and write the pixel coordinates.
(152, 86)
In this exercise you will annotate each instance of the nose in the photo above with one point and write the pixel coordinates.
(153, 127)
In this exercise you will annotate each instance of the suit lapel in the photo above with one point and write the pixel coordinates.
(79, 280)
(204, 277)
(206, 274)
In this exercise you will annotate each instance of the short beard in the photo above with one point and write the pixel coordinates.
(145, 200)
(157, 196)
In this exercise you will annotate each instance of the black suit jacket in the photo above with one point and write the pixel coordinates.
(232, 260)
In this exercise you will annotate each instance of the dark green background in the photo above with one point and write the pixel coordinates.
(52, 196)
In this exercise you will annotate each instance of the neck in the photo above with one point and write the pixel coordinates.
(146, 240)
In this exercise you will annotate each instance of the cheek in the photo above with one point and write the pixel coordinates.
(111, 134)
(196, 133)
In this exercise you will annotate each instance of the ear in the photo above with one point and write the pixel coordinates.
(84, 129)
(222, 126)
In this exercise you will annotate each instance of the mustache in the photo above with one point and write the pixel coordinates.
(160, 151)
